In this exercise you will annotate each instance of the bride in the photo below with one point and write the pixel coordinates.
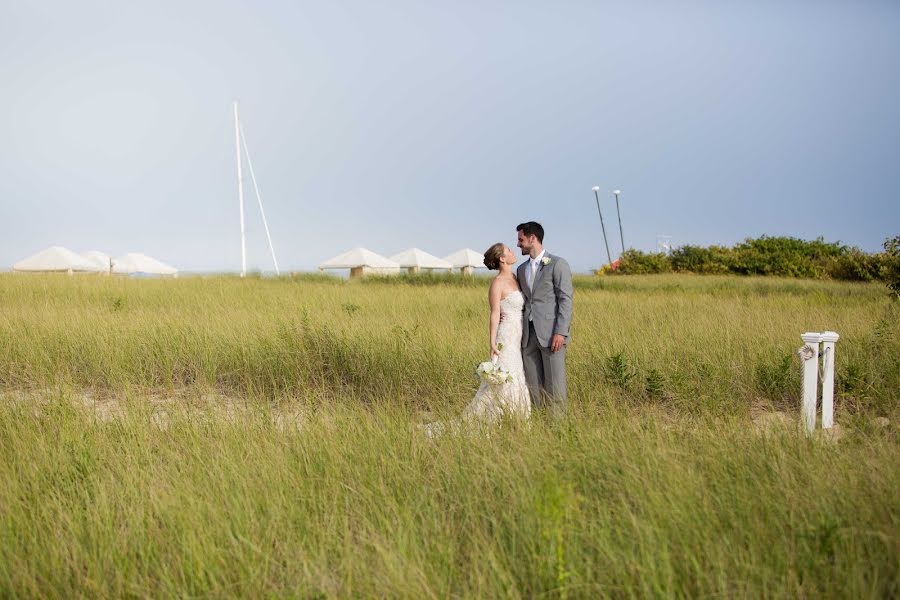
(493, 401)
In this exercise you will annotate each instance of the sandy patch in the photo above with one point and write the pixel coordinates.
(161, 407)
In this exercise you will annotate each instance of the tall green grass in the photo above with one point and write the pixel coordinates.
(357, 503)
(224, 437)
(697, 344)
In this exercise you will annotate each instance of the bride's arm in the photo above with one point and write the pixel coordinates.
(494, 301)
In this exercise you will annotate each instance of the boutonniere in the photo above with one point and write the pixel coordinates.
(545, 261)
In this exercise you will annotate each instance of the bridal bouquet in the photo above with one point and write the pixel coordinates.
(492, 373)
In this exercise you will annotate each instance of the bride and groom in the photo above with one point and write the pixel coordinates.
(530, 315)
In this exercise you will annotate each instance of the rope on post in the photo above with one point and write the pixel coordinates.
(806, 352)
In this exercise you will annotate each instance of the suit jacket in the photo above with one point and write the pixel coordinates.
(548, 303)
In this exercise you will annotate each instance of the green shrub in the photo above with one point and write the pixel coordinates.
(619, 371)
(784, 256)
(856, 265)
(774, 256)
(715, 260)
(891, 273)
(654, 384)
(636, 262)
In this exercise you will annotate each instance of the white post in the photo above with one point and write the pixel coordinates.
(828, 340)
(237, 148)
(810, 379)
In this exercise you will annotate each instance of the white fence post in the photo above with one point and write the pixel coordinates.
(810, 356)
(828, 340)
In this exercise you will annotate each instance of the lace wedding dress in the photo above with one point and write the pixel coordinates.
(492, 401)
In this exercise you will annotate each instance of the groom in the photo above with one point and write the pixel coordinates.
(546, 282)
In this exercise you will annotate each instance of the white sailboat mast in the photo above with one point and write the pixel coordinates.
(240, 175)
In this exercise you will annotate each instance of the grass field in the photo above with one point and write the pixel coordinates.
(218, 436)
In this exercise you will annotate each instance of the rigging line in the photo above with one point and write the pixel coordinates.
(258, 198)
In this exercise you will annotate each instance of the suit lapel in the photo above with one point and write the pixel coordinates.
(523, 279)
(540, 272)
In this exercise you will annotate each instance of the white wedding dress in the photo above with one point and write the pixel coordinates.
(493, 401)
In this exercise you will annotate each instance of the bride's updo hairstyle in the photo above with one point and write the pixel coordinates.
(493, 255)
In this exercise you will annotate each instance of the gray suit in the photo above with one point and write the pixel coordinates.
(548, 311)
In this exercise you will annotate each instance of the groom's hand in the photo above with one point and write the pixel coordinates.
(557, 343)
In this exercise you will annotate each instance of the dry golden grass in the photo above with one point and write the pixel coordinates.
(225, 437)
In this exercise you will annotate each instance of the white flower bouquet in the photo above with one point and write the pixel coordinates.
(492, 373)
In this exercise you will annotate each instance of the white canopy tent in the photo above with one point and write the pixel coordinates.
(415, 260)
(134, 263)
(101, 259)
(466, 260)
(361, 261)
(57, 259)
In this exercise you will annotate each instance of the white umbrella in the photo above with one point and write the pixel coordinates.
(98, 258)
(361, 261)
(134, 262)
(415, 259)
(56, 258)
(466, 259)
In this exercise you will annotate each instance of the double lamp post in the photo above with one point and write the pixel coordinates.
(616, 193)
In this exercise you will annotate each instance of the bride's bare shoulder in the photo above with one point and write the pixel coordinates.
(505, 286)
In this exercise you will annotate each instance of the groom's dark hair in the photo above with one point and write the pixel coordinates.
(532, 228)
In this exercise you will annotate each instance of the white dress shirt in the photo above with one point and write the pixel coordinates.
(533, 267)
(531, 273)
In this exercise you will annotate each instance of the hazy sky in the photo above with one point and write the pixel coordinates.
(444, 124)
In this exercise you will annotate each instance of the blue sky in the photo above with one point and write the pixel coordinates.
(443, 125)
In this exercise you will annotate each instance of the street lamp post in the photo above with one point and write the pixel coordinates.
(596, 189)
(621, 235)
